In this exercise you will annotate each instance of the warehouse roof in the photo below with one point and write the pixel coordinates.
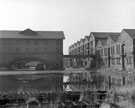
(28, 33)
(104, 34)
(131, 32)
(114, 37)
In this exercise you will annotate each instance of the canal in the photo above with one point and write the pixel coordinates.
(31, 82)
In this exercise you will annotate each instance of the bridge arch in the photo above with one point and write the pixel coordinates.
(28, 63)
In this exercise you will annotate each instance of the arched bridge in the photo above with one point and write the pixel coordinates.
(26, 63)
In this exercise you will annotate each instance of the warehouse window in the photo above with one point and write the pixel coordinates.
(129, 60)
(105, 51)
(113, 61)
(118, 61)
(113, 81)
(118, 49)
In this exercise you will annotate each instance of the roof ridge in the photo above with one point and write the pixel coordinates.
(31, 34)
(130, 32)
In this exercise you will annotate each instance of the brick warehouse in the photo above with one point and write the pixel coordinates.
(116, 53)
(20, 47)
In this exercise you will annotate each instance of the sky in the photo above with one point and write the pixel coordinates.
(77, 18)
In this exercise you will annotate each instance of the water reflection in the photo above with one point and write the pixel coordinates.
(66, 87)
(34, 82)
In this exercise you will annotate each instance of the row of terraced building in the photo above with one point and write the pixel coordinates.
(115, 56)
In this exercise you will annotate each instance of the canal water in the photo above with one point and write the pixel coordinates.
(31, 82)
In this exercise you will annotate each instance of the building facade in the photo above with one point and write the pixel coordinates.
(115, 55)
(87, 46)
(118, 58)
(20, 47)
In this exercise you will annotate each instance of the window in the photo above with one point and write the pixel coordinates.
(112, 50)
(118, 61)
(83, 47)
(105, 61)
(118, 49)
(88, 52)
(129, 60)
(113, 61)
(113, 81)
(130, 83)
(91, 43)
(101, 52)
(105, 51)
(85, 63)
(87, 45)
(78, 49)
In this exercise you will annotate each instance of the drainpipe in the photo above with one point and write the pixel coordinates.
(123, 56)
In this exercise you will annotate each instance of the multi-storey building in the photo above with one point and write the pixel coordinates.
(100, 52)
(82, 46)
(107, 49)
(20, 47)
(127, 42)
(116, 56)
(119, 58)
(119, 48)
(78, 48)
(87, 46)
(95, 37)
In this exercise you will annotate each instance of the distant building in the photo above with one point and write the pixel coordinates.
(119, 58)
(17, 48)
(87, 46)
(115, 56)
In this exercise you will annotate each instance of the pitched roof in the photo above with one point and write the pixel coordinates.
(103, 41)
(81, 40)
(75, 44)
(87, 37)
(131, 32)
(78, 42)
(115, 37)
(28, 33)
(103, 34)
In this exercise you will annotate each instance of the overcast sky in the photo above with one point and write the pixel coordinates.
(76, 18)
